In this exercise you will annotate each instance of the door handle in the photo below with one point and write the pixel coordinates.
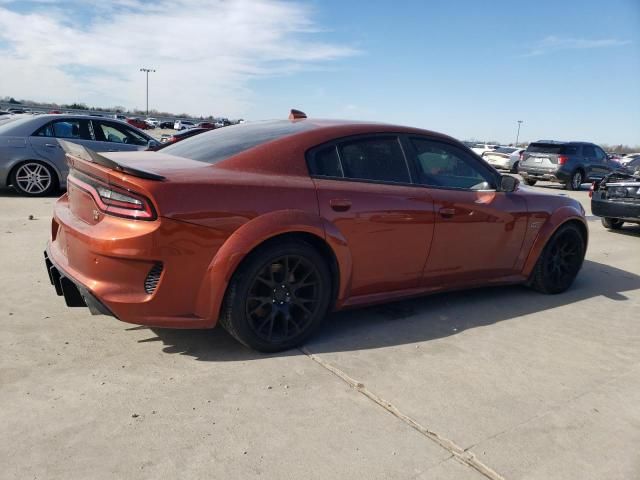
(340, 204)
(447, 212)
(51, 145)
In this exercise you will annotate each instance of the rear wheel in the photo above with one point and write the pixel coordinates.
(529, 182)
(514, 169)
(278, 297)
(34, 179)
(612, 223)
(560, 261)
(575, 181)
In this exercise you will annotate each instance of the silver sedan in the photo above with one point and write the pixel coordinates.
(31, 159)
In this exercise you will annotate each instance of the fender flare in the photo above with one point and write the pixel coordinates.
(252, 234)
(558, 218)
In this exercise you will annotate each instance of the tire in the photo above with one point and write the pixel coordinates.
(531, 183)
(612, 223)
(575, 181)
(514, 169)
(560, 261)
(278, 297)
(34, 179)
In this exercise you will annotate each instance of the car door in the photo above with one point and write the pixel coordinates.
(44, 140)
(364, 190)
(115, 137)
(601, 165)
(478, 230)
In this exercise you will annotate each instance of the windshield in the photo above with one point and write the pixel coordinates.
(217, 145)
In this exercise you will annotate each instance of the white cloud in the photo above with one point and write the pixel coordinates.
(205, 52)
(554, 43)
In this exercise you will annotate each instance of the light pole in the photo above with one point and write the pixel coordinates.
(147, 71)
(518, 134)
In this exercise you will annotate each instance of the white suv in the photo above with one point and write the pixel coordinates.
(183, 124)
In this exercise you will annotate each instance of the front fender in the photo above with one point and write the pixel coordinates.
(556, 220)
(248, 237)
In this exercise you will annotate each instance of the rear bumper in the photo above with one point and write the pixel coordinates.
(624, 211)
(549, 176)
(108, 267)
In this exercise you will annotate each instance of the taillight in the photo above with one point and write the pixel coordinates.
(521, 155)
(591, 189)
(562, 159)
(114, 200)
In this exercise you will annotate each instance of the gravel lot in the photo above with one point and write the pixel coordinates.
(493, 383)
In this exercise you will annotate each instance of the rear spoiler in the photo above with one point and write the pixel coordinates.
(88, 155)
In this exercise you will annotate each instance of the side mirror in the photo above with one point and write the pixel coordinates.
(508, 183)
(153, 143)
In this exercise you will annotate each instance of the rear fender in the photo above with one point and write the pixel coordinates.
(253, 233)
(557, 219)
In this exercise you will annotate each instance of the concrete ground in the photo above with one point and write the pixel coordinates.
(493, 383)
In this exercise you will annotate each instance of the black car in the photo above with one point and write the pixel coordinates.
(569, 163)
(617, 197)
(165, 124)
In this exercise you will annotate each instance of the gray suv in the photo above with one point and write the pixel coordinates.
(31, 159)
(569, 163)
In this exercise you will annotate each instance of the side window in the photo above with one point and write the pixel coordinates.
(325, 162)
(378, 159)
(600, 155)
(444, 165)
(588, 151)
(78, 129)
(110, 132)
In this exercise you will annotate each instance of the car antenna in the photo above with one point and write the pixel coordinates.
(296, 114)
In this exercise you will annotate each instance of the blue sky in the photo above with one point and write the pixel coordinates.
(569, 70)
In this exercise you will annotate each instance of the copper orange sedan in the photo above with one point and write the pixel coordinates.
(265, 227)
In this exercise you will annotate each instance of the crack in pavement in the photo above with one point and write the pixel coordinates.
(464, 456)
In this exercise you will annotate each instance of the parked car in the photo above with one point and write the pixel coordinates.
(617, 197)
(183, 124)
(504, 158)
(480, 148)
(569, 163)
(179, 136)
(119, 116)
(152, 122)
(629, 157)
(16, 110)
(138, 123)
(267, 226)
(166, 124)
(207, 125)
(32, 161)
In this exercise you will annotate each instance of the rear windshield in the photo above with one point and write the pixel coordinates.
(557, 148)
(222, 143)
(505, 150)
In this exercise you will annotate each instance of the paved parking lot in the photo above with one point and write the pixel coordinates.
(493, 383)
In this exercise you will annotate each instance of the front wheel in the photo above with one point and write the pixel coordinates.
(529, 182)
(612, 223)
(34, 179)
(278, 297)
(560, 260)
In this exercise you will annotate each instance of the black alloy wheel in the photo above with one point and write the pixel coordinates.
(278, 298)
(560, 260)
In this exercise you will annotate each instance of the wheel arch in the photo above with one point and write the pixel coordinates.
(259, 233)
(563, 216)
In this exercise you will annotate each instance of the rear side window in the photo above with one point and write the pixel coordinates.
(222, 143)
(379, 159)
(325, 163)
(588, 151)
(78, 129)
(554, 148)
